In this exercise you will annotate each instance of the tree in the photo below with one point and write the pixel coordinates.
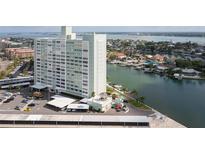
(141, 99)
(114, 96)
(134, 92)
(183, 63)
(16, 62)
(124, 89)
(2, 74)
(93, 94)
(109, 90)
(18, 88)
(25, 73)
(112, 57)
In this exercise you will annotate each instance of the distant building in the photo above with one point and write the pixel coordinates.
(19, 52)
(190, 72)
(158, 58)
(3, 45)
(120, 56)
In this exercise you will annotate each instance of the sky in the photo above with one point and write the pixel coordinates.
(6, 29)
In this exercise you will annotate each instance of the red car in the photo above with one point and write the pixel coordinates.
(118, 107)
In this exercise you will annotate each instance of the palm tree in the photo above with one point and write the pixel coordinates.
(18, 88)
(93, 94)
(10, 87)
(114, 96)
(141, 99)
(134, 92)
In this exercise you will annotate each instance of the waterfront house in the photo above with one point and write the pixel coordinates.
(120, 56)
(158, 58)
(190, 72)
(149, 56)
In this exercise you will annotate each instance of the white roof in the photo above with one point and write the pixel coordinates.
(162, 67)
(38, 86)
(78, 106)
(107, 118)
(176, 74)
(97, 100)
(60, 101)
(189, 71)
(84, 100)
(80, 118)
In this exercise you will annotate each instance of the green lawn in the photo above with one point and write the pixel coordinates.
(138, 104)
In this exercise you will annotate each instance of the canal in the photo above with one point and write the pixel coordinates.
(183, 101)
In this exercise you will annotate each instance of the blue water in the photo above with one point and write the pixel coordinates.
(183, 100)
(199, 40)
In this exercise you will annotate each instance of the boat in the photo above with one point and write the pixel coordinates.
(147, 70)
(123, 65)
(139, 68)
(178, 76)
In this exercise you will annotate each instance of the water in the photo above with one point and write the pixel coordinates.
(199, 40)
(183, 100)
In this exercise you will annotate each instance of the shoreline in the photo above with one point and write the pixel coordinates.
(157, 119)
(124, 64)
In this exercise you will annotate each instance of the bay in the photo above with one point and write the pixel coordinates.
(184, 101)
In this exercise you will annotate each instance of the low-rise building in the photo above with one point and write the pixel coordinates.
(120, 55)
(190, 72)
(19, 52)
(158, 58)
(100, 103)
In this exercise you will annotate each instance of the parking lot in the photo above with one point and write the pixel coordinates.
(41, 107)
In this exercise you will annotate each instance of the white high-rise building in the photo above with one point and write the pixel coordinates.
(70, 65)
(66, 32)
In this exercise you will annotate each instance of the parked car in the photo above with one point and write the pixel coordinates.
(125, 108)
(17, 108)
(24, 101)
(7, 94)
(11, 98)
(31, 105)
(18, 93)
(27, 109)
(118, 107)
(113, 105)
(29, 97)
(7, 101)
